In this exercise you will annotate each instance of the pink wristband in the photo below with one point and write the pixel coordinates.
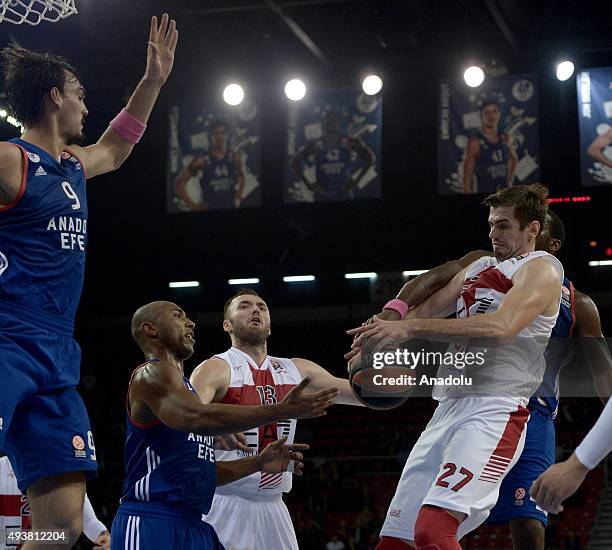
(128, 127)
(397, 305)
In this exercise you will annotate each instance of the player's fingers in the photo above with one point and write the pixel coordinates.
(174, 41)
(362, 329)
(297, 468)
(535, 487)
(294, 455)
(349, 355)
(278, 443)
(163, 27)
(298, 447)
(240, 437)
(305, 381)
(243, 447)
(153, 30)
(168, 36)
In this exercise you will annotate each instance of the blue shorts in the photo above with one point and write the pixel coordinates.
(538, 455)
(140, 526)
(44, 427)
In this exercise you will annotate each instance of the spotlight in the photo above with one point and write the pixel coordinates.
(244, 281)
(295, 89)
(184, 284)
(565, 70)
(233, 94)
(3, 113)
(372, 84)
(474, 76)
(368, 275)
(298, 278)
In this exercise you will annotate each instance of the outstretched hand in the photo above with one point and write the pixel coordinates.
(300, 404)
(160, 53)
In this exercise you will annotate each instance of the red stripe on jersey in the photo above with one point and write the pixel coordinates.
(10, 505)
(490, 278)
(512, 434)
(572, 310)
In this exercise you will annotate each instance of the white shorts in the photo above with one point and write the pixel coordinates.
(249, 524)
(459, 462)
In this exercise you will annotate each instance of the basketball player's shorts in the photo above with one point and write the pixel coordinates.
(44, 427)
(459, 462)
(151, 526)
(537, 456)
(253, 523)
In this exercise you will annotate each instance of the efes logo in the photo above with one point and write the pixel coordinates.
(3, 263)
(33, 157)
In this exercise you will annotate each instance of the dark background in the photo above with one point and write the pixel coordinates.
(136, 248)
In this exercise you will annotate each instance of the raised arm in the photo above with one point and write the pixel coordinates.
(112, 149)
(593, 344)
(157, 391)
(536, 290)
(196, 164)
(320, 378)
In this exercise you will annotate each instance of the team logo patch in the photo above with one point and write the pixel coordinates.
(277, 366)
(78, 444)
(3, 263)
(33, 157)
(394, 512)
(66, 155)
(565, 290)
(520, 493)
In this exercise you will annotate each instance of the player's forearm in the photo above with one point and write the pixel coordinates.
(220, 419)
(596, 153)
(478, 326)
(598, 442)
(92, 526)
(232, 470)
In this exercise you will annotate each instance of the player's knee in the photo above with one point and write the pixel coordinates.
(436, 529)
(528, 533)
(393, 543)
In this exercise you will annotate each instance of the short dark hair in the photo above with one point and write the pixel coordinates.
(529, 202)
(28, 77)
(556, 227)
(240, 292)
(489, 102)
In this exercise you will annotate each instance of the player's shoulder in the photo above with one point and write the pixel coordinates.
(9, 152)
(210, 366)
(155, 374)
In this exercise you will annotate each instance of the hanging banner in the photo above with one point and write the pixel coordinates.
(333, 148)
(488, 136)
(214, 158)
(595, 122)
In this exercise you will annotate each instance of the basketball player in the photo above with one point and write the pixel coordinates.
(169, 455)
(43, 232)
(452, 476)
(15, 513)
(246, 375)
(599, 145)
(562, 480)
(332, 157)
(578, 316)
(489, 154)
(222, 174)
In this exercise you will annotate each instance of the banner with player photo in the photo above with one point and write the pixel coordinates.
(488, 136)
(214, 157)
(334, 147)
(595, 121)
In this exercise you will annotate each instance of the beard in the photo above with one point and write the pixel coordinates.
(75, 139)
(253, 336)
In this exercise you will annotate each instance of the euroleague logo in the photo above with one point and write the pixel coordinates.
(3, 263)
(78, 444)
(520, 493)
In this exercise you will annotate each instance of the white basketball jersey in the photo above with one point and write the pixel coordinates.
(514, 369)
(264, 385)
(14, 507)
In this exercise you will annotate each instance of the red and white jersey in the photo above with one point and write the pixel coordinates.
(264, 385)
(14, 508)
(515, 369)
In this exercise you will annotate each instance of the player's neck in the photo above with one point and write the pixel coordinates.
(257, 352)
(156, 354)
(490, 132)
(219, 152)
(47, 138)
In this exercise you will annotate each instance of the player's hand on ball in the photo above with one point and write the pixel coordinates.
(558, 483)
(160, 53)
(299, 404)
(380, 333)
(280, 457)
(231, 442)
(103, 541)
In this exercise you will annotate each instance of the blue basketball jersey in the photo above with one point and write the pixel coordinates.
(492, 166)
(558, 353)
(332, 166)
(168, 467)
(219, 180)
(43, 236)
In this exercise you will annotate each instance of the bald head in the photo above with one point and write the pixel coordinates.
(149, 313)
